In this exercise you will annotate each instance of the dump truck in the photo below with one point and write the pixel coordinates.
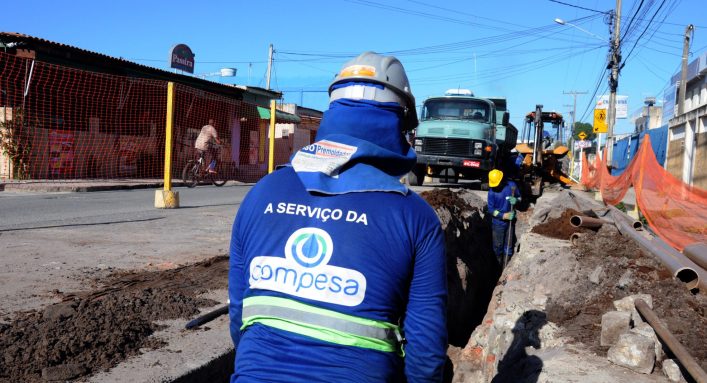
(461, 136)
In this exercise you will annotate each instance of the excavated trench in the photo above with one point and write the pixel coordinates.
(472, 269)
(92, 331)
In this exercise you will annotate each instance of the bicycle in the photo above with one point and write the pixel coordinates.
(196, 171)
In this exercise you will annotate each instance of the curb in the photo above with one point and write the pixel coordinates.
(74, 188)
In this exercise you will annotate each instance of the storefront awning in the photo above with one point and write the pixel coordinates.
(280, 116)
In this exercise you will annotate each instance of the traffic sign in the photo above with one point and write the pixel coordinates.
(582, 135)
(600, 125)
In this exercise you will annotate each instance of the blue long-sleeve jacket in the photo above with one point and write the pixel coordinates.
(396, 244)
(497, 201)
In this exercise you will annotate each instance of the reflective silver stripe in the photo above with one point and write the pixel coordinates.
(388, 335)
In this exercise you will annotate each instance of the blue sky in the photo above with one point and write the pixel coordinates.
(496, 48)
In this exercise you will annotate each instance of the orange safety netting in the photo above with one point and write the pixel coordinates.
(675, 211)
(60, 123)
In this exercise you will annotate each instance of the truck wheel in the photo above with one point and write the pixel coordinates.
(449, 176)
(417, 176)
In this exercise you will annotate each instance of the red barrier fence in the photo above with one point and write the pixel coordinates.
(60, 123)
(677, 212)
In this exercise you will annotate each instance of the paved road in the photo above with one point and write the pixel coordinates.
(61, 240)
(42, 210)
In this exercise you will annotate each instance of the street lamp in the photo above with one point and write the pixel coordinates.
(223, 72)
(563, 22)
(613, 84)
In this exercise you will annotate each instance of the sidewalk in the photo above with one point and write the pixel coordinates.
(629, 199)
(53, 186)
(81, 185)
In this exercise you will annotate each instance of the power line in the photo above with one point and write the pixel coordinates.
(642, 33)
(577, 6)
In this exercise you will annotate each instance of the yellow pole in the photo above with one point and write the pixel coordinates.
(271, 133)
(168, 138)
(167, 198)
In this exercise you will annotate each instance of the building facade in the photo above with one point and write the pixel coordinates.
(68, 113)
(687, 146)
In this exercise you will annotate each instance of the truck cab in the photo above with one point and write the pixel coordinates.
(457, 136)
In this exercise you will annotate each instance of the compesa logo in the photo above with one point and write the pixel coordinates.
(309, 247)
(305, 272)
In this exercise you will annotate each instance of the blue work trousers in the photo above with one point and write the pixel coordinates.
(501, 245)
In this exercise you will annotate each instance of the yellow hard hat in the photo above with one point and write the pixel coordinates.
(495, 177)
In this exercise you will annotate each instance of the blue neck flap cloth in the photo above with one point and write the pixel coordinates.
(359, 147)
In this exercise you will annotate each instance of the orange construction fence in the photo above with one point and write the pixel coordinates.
(675, 211)
(60, 123)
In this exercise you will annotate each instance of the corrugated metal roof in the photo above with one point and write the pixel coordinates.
(14, 36)
(18, 38)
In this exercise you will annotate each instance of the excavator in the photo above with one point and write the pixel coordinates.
(541, 161)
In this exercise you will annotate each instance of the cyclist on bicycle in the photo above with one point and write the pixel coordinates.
(207, 141)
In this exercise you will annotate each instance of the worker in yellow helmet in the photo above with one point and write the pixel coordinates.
(502, 197)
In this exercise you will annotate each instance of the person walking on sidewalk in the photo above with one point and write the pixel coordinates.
(206, 143)
(337, 270)
(502, 196)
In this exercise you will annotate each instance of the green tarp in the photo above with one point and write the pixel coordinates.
(280, 116)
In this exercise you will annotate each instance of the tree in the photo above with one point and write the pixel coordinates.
(583, 127)
(15, 145)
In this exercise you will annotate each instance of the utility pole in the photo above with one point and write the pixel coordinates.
(568, 124)
(574, 94)
(267, 82)
(690, 129)
(615, 65)
(683, 74)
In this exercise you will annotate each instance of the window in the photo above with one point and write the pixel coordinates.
(455, 109)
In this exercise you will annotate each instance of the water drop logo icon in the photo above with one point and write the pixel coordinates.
(309, 247)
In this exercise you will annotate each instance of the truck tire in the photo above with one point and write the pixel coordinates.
(416, 176)
(449, 176)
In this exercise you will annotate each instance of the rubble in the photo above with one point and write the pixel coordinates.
(571, 287)
(627, 304)
(672, 371)
(613, 325)
(633, 351)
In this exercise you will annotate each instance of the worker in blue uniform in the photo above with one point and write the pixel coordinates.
(502, 197)
(337, 270)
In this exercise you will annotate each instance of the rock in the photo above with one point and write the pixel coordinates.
(633, 351)
(646, 330)
(672, 371)
(597, 275)
(625, 279)
(59, 311)
(613, 324)
(63, 372)
(628, 304)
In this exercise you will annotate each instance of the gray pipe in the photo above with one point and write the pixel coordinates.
(584, 221)
(673, 344)
(697, 252)
(680, 266)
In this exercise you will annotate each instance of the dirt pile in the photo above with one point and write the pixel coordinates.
(92, 331)
(560, 227)
(472, 270)
(612, 267)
